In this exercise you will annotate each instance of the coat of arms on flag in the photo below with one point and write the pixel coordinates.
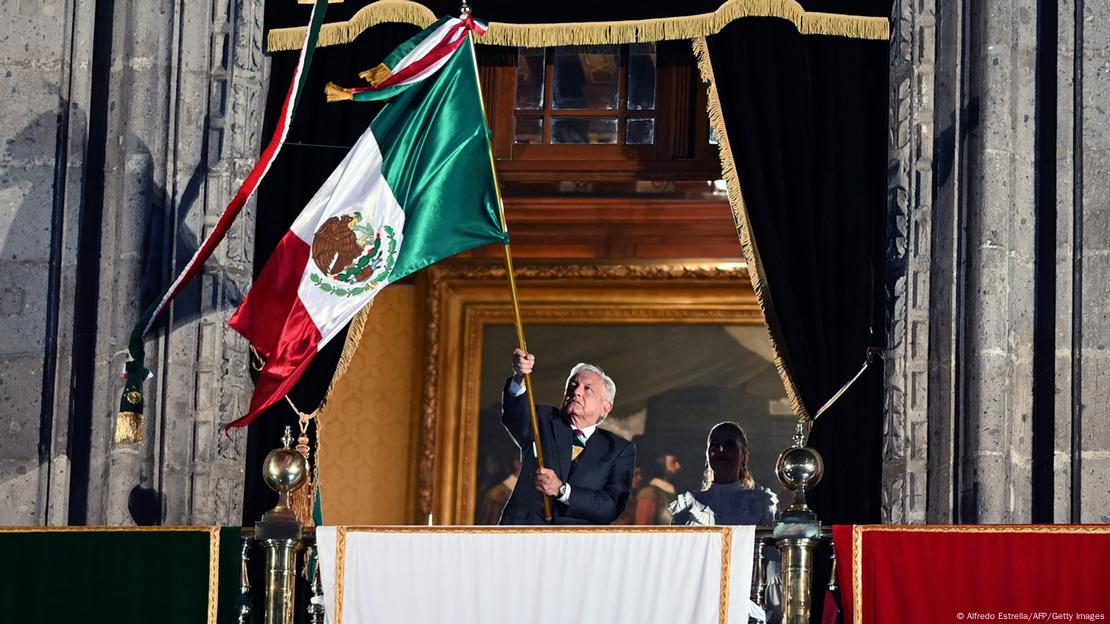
(351, 256)
(418, 186)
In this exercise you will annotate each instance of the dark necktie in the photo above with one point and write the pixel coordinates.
(579, 445)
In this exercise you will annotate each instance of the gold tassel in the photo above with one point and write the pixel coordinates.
(336, 93)
(301, 499)
(377, 74)
(129, 428)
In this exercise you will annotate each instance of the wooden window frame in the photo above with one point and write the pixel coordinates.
(681, 150)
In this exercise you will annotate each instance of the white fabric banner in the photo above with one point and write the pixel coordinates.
(494, 575)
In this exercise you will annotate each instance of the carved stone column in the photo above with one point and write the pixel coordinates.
(959, 387)
(993, 117)
(183, 98)
(906, 422)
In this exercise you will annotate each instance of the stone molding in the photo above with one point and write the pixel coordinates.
(906, 418)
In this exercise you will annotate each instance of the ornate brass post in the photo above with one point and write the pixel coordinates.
(284, 470)
(244, 583)
(798, 531)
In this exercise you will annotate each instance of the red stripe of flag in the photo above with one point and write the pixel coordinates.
(261, 316)
(300, 339)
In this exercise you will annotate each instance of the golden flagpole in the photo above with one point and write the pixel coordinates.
(512, 286)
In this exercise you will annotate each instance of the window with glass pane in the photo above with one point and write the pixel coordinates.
(640, 132)
(583, 130)
(586, 95)
(586, 77)
(529, 131)
(529, 78)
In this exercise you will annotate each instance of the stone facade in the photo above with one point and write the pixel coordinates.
(130, 125)
(966, 196)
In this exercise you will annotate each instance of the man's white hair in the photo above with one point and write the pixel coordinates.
(582, 367)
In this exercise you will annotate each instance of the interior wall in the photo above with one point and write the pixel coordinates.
(365, 428)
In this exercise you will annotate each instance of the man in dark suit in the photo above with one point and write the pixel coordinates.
(589, 470)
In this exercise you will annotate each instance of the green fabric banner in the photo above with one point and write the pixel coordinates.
(185, 575)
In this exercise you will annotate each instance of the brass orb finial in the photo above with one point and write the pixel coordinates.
(800, 468)
(284, 470)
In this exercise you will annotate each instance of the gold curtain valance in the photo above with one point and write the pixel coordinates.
(593, 33)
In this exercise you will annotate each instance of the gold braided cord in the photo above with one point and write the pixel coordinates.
(740, 216)
(726, 573)
(857, 574)
(213, 573)
(350, 346)
(586, 33)
(340, 571)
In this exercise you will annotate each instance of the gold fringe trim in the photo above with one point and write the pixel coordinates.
(350, 346)
(336, 93)
(857, 574)
(336, 33)
(726, 575)
(213, 573)
(376, 74)
(589, 33)
(340, 571)
(740, 216)
(129, 428)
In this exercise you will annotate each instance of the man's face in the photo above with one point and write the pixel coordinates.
(671, 465)
(585, 401)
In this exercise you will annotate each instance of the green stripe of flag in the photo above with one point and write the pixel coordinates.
(435, 152)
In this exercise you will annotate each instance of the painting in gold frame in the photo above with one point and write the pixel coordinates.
(468, 305)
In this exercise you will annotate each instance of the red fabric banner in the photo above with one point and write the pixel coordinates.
(937, 574)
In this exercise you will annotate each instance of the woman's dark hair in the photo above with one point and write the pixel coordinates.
(746, 479)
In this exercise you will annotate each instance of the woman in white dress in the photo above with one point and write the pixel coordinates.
(731, 496)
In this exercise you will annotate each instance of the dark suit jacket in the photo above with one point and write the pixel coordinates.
(599, 481)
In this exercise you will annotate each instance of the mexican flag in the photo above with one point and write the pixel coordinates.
(417, 187)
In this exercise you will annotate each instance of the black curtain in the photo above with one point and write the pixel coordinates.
(806, 117)
(807, 120)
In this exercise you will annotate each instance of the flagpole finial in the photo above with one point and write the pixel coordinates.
(464, 10)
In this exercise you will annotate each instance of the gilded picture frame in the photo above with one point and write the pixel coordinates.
(463, 299)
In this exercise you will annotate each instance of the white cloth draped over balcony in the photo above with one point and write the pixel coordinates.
(493, 575)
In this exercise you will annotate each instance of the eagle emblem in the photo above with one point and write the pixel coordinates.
(351, 252)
